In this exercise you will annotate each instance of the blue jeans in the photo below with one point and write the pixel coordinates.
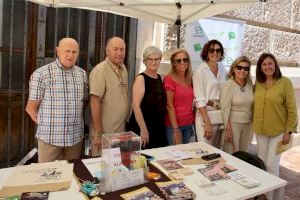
(186, 131)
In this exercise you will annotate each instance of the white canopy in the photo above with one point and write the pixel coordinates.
(165, 11)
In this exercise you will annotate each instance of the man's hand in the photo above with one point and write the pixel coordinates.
(96, 144)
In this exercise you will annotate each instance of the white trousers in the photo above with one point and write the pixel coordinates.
(266, 148)
(241, 138)
(216, 134)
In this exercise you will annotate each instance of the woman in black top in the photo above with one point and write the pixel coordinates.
(149, 101)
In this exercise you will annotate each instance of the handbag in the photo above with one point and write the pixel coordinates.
(215, 117)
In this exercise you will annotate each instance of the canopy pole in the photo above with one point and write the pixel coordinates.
(178, 23)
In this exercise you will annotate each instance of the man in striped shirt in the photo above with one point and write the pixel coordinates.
(57, 95)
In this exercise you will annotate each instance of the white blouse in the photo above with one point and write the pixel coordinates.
(206, 85)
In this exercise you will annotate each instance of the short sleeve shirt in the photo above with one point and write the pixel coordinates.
(112, 87)
(61, 93)
(183, 101)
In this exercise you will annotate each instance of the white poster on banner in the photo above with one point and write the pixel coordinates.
(229, 32)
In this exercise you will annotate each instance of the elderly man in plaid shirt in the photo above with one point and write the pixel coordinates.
(57, 94)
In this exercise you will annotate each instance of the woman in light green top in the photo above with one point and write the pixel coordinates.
(236, 104)
(275, 113)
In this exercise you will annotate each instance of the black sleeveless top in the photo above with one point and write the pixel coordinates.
(153, 107)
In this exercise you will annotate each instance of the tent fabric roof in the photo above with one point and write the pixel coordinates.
(165, 11)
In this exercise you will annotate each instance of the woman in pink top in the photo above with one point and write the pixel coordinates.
(180, 97)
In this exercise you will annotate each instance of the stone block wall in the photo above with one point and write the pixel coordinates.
(273, 27)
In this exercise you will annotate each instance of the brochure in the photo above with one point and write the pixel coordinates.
(175, 190)
(283, 147)
(143, 193)
(216, 171)
(243, 180)
(35, 196)
(169, 164)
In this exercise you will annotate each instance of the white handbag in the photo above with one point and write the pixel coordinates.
(215, 117)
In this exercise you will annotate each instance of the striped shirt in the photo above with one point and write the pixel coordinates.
(61, 93)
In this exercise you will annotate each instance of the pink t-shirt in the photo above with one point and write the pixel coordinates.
(183, 101)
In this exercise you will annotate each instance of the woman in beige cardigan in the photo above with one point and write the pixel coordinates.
(236, 103)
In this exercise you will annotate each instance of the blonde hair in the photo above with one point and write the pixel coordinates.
(235, 63)
(188, 72)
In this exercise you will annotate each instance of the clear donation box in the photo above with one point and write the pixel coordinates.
(122, 164)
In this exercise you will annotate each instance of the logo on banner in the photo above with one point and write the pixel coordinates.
(231, 35)
(198, 31)
(197, 47)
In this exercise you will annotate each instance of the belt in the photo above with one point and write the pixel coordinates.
(214, 103)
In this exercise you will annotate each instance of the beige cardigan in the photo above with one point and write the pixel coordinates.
(226, 95)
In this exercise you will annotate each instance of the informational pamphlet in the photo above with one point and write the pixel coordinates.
(35, 196)
(243, 180)
(169, 164)
(216, 171)
(143, 193)
(175, 190)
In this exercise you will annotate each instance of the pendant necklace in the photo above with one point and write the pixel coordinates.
(242, 88)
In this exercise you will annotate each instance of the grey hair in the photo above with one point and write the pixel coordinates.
(152, 50)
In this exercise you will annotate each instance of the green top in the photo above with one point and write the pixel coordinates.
(275, 109)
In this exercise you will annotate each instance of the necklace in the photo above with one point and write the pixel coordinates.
(242, 87)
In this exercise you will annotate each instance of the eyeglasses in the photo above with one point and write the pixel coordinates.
(242, 67)
(179, 61)
(155, 60)
(212, 50)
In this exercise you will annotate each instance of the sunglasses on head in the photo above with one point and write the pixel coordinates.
(179, 61)
(242, 67)
(212, 50)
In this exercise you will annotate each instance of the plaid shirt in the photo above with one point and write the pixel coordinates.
(61, 94)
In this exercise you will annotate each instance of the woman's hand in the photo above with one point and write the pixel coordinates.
(207, 130)
(144, 137)
(286, 138)
(177, 136)
(229, 133)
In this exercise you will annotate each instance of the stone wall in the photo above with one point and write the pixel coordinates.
(273, 27)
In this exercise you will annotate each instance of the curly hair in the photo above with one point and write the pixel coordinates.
(204, 52)
(260, 75)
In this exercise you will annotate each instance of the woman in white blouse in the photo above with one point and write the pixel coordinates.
(207, 81)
